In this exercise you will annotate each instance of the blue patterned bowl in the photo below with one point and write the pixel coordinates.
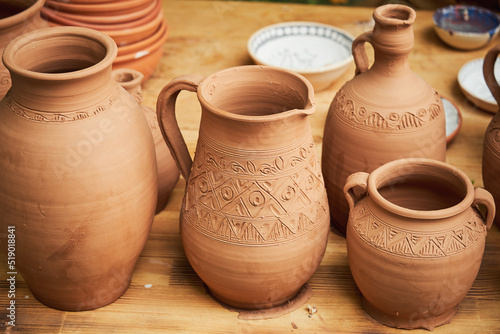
(319, 52)
(466, 27)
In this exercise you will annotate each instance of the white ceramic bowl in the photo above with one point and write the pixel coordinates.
(473, 86)
(466, 27)
(320, 52)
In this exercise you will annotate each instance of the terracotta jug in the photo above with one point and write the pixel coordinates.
(254, 219)
(168, 173)
(491, 147)
(16, 18)
(385, 112)
(415, 240)
(78, 175)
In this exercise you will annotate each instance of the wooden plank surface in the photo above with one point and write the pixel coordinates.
(208, 36)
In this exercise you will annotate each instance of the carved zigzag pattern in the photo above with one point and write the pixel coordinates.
(414, 244)
(255, 211)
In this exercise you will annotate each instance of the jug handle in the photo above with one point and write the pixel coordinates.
(359, 179)
(483, 197)
(489, 72)
(165, 111)
(359, 52)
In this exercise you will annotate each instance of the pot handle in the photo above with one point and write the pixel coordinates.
(359, 52)
(165, 111)
(359, 179)
(483, 197)
(489, 72)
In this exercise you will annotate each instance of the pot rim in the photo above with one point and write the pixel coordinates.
(394, 170)
(9, 55)
(385, 15)
(308, 109)
(107, 7)
(20, 17)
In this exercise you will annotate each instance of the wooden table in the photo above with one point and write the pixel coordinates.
(166, 295)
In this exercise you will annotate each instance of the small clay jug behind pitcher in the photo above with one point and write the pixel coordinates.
(415, 240)
(78, 176)
(386, 112)
(168, 173)
(254, 219)
(491, 147)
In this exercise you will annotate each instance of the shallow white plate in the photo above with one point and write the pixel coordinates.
(320, 52)
(453, 119)
(473, 85)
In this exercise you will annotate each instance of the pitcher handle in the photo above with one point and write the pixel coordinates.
(165, 111)
(359, 52)
(359, 179)
(483, 197)
(489, 72)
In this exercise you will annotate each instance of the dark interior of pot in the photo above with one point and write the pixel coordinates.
(9, 8)
(124, 77)
(396, 13)
(424, 192)
(60, 54)
(255, 92)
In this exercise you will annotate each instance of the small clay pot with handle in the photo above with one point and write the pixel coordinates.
(415, 240)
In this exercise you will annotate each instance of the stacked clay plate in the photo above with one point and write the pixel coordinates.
(137, 27)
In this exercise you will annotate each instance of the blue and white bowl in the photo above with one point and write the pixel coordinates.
(466, 27)
(319, 52)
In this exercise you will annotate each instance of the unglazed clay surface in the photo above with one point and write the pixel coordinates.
(385, 112)
(491, 147)
(16, 18)
(415, 240)
(168, 173)
(255, 218)
(78, 178)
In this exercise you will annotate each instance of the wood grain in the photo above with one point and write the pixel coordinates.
(207, 36)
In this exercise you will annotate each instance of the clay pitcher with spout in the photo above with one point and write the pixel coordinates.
(254, 219)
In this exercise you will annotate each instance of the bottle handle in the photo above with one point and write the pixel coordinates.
(359, 179)
(165, 111)
(489, 72)
(483, 197)
(359, 52)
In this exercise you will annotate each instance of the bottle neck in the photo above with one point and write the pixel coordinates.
(392, 46)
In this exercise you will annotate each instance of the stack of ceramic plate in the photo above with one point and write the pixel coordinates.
(137, 27)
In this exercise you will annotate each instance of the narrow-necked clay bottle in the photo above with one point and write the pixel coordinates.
(16, 18)
(168, 173)
(385, 112)
(78, 176)
(254, 219)
(415, 240)
(491, 147)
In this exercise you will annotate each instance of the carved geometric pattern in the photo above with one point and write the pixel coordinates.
(58, 117)
(269, 198)
(347, 110)
(403, 242)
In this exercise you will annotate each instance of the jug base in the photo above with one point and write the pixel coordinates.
(418, 319)
(258, 312)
